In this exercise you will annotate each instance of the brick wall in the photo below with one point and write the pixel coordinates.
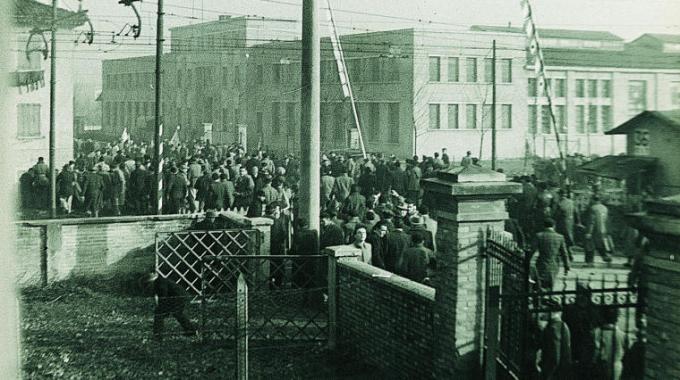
(103, 246)
(385, 320)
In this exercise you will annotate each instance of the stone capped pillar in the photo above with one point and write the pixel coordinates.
(660, 285)
(465, 202)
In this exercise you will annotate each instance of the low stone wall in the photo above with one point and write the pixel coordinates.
(102, 246)
(385, 320)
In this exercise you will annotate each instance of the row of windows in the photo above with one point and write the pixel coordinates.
(590, 88)
(453, 69)
(587, 119)
(129, 81)
(28, 120)
(452, 119)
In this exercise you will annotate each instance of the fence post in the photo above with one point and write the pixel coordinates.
(242, 328)
(491, 333)
(336, 253)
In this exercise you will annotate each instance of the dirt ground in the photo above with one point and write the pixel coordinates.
(102, 330)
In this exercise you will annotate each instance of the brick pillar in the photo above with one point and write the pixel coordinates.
(465, 203)
(335, 254)
(660, 285)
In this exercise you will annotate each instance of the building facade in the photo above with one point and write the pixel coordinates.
(416, 91)
(29, 83)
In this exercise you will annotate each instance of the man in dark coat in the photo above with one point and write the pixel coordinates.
(551, 247)
(555, 346)
(138, 188)
(214, 197)
(278, 243)
(306, 243)
(66, 187)
(397, 241)
(93, 188)
(244, 189)
(416, 260)
(398, 179)
(177, 191)
(418, 227)
(170, 301)
(378, 240)
(566, 217)
(258, 207)
(228, 190)
(343, 184)
(355, 203)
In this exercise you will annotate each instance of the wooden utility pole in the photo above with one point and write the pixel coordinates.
(493, 107)
(309, 123)
(158, 135)
(53, 128)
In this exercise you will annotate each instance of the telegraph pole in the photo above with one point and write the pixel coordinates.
(158, 136)
(309, 123)
(53, 95)
(493, 107)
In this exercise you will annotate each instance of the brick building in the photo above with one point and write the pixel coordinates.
(417, 91)
(29, 82)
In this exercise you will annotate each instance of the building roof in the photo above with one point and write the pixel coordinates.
(553, 33)
(34, 14)
(617, 167)
(630, 57)
(671, 118)
(667, 38)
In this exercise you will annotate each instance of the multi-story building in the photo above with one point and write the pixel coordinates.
(204, 78)
(30, 85)
(597, 82)
(416, 91)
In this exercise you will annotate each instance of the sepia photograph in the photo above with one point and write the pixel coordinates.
(340, 189)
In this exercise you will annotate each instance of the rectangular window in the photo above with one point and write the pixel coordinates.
(506, 116)
(533, 116)
(471, 69)
(291, 120)
(276, 118)
(392, 70)
(559, 89)
(453, 116)
(453, 70)
(637, 97)
(675, 95)
(471, 116)
(506, 70)
(28, 120)
(260, 74)
(259, 124)
(237, 75)
(592, 119)
(559, 119)
(393, 112)
(435, 74)
(375, 69)
(340, 123)
(532, 87)
(276, 73)
(606, 88)
(580, 88)
(546, 121)
(435, 121)
(592, 88)
(486, 116)
(488, 70)
(606, 116)
(374, 128)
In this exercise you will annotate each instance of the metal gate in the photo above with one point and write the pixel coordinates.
(517, 309)
(286, 297)
(179, 254)
(506, 322)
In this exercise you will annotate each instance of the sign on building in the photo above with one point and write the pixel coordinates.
(641, 142)
(207, 132)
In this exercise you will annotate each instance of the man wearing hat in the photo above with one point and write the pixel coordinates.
(418, 227)
(177, 191)
(170, 301)
(555, 345)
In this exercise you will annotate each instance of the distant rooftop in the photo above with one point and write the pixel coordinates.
(630, 57)
(553, 33)
(667, 38)
(228, 18)
(671, 118)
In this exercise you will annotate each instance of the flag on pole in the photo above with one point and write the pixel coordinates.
(337, 52)
(175, 137)
(125, 136)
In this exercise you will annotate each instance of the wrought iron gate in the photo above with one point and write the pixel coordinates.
(516, 306)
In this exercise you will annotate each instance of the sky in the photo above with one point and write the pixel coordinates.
(626, 18)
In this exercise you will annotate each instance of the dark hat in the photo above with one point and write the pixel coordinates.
(416, 220)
